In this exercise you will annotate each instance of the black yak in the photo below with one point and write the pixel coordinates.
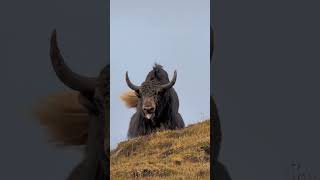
(156, 103)
(79, 117)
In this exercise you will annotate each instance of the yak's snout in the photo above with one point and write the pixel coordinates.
(149, 110)
(149, 107)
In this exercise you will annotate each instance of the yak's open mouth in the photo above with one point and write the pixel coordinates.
(149, 116)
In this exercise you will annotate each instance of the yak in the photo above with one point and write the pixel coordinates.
(156, 103)
(78, 117)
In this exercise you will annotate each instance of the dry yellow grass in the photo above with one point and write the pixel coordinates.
(181, 154)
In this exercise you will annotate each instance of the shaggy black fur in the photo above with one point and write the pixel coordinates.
(167, 106)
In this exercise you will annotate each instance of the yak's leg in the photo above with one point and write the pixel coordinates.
(179, 120)
(134, 126)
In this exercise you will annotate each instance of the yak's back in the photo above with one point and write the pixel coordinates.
(159, 74)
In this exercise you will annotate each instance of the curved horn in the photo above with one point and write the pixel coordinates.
(171, 83)
(129, 83)
(65, 74)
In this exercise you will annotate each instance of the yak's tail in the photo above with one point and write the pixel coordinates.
(130, 99)
(65, 119)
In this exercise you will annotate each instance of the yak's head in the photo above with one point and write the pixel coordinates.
(151, 93)
(93, 90)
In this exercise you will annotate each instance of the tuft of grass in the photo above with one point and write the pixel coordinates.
(171, 154)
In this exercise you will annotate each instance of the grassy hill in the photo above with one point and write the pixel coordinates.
(180, 154)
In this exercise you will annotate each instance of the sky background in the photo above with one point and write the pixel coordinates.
(174, 34)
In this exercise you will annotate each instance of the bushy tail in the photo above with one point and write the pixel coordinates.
(130, 99)
(65, 118)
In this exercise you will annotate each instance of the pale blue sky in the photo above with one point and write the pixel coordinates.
(147, 31)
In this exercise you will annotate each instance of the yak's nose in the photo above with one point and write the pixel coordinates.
(148, 109)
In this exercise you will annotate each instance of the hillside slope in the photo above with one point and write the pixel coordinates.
(180, 154)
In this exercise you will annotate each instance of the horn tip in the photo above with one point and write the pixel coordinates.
(175, 73)
(127, 76)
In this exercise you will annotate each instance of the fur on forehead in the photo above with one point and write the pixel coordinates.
(150, 87)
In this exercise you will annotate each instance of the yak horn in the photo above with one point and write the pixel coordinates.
(171, 83)
(65, 74)
(129, 83)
